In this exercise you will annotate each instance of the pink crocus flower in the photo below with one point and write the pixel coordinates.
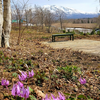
(20, 84)
(61, 97)
(16, 90)
(19, 90)
(23, 76)
(31, 74)
(4, 82)
(82, 81)
(24, 92)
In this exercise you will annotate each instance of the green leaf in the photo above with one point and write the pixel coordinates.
(71, 99)
(89, 98)
(67, 94)
(32, 65)
(39, 81)
(9, 67)
(73, 95)
(4, 70)
(32, 97)
(30, 89)
(74, 78)
(79, 71)
(14, 74)
(81, 96)
(45, 78)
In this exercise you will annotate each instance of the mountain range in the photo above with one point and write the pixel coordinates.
(71, 13)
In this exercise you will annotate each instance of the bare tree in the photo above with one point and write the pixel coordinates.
(39, 15)
(19, 10)
(28, 15)
(48, 19)
(1, 22)
(5, 23)
(61, 16)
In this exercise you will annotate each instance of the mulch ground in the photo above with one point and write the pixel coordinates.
(48, 65)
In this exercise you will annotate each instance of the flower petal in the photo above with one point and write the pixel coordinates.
(13, 90)
(61, 97)
(20, 84)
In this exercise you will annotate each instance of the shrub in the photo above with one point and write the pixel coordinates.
(64, 31)
(81, 33)
(93, 32)
(88, 33)
(73, 32)
(98, 32)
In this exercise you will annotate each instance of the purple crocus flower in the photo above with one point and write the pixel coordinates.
(31, 74)
(16, 90)
(24, 92)
(82, 81)
(19, 90)
(4, 82)
(23, 76)
(61, 97)
(20, 84)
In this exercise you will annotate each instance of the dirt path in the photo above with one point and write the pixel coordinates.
(87, 46)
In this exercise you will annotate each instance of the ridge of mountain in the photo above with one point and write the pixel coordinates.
(70, 12)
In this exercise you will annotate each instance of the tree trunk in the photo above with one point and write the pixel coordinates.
(19, 37)
(1, 22)
(7, 22)
(61, 22)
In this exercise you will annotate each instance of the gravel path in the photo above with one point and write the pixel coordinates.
(87, 46)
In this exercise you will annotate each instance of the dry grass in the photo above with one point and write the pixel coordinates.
(84, 25)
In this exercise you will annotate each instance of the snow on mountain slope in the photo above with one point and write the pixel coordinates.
(71, 13)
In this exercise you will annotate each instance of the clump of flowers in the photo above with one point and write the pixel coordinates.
(19, 90)
(82, 81)
(23, 76)
(4, 82)
(60, 97)
(16, 90)
(31, 74)
(24, 92)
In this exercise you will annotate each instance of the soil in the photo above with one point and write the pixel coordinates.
(45, 59)
(84, 45)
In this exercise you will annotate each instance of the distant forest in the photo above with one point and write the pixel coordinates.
(83, 20)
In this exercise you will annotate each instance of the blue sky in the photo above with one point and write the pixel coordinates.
(81, 5)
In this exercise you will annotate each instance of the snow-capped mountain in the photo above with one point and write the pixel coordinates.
(70, 13)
